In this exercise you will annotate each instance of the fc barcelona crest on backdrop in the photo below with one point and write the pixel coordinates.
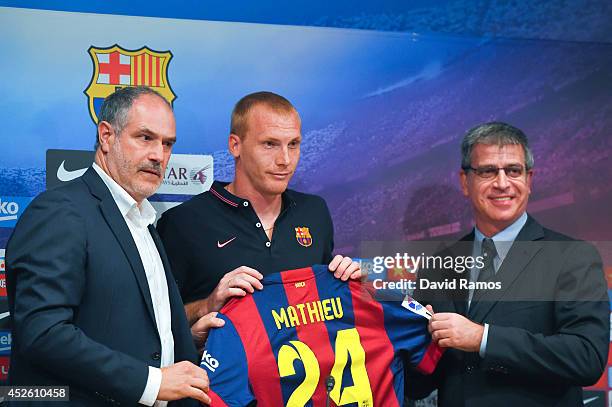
(116, 67)
(302, 234)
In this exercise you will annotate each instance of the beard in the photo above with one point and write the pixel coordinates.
(128, 172)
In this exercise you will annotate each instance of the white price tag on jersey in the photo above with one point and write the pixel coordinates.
(412, 305)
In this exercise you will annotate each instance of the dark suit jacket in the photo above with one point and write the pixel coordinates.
(79, 299)
(549, 326)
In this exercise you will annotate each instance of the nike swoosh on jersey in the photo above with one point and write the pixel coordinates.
(64, 175)
(220, 245)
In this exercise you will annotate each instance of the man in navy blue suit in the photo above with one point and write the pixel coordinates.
(93, 303)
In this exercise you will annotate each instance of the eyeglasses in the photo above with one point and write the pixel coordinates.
(490, 171)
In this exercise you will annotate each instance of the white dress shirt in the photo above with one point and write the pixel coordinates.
(138, 219)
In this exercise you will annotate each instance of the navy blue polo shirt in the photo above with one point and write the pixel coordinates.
(216, 231)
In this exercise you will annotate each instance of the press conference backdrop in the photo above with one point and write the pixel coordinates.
(383, 115)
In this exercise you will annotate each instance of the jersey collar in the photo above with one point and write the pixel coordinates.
(219, 191)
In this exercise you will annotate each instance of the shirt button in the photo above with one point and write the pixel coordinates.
(268, 244)
(258, 225)
(245, 203)
(156, 356)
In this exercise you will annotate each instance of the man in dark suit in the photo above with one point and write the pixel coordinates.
(531, 325)
(90, 292)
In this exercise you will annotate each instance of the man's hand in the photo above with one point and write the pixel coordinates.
(451, 330)
(200, 330)
(345, 268)
(236, 283)
(182, 380)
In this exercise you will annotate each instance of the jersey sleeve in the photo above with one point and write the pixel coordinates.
(406, 325)
(225, 362)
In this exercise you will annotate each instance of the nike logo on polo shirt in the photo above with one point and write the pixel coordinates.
(220, 245)
(64, 175)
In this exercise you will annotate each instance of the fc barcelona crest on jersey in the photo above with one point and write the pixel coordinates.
(116, 67)
(302, 234)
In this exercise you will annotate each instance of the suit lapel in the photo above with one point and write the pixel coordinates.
(117, 224)
(520, 254)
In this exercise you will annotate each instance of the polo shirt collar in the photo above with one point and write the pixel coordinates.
(219, 191)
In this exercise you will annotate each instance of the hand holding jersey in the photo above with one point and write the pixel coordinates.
(243, 280)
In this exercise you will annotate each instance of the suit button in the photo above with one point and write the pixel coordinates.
(155, 356)
(469, 368)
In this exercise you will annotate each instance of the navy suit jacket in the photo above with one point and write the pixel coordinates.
(80, 304)
(549, 326)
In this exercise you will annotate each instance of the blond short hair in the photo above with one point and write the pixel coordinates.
(239, 124)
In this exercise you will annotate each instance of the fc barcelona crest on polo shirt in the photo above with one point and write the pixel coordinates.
(115, 67)
(302, 235)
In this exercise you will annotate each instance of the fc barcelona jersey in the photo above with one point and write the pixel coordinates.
(306, 334)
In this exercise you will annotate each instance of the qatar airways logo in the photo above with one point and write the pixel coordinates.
(187, 174)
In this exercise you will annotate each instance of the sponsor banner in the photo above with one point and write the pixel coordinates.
(5, 321)
(2, 274)
(66, 165)
(11, 208)
(4, 367)
(367, 268)
(187, 174)
(5, 342)
(5, 234)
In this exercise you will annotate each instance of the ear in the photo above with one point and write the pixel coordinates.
(234, 144)
(105, 136)
(463, 182)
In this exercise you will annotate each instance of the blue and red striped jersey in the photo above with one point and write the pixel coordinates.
(280, 345)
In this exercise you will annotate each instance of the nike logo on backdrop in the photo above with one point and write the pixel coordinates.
(587, 401)
(220, 245)
(64, 175)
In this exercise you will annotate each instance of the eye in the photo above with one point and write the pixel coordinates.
(268, 144)
(514, 171)
(294, 144)
(487, 171)
(145, 137)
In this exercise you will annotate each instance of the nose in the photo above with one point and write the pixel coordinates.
(282, 158)
(501, 180)
(156, 152)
